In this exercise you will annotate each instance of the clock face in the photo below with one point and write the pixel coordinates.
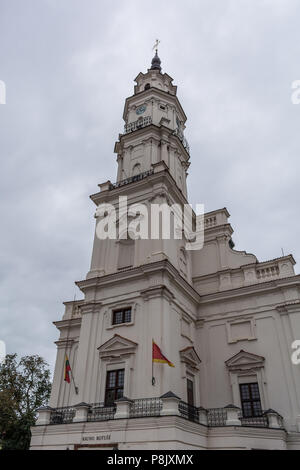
(141, 109)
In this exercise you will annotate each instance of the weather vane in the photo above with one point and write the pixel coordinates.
(156, 45)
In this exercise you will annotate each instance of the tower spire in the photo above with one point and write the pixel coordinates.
(155, 64)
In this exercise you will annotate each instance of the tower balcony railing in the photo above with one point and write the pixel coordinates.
(132, 179)
(158, 406)
(139, 124)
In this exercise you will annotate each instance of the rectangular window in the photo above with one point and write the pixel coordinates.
(190, 392)
(121, 316)
(114, 386)
(250, 400)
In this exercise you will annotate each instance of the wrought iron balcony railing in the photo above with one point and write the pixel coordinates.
(216, 417)
(62, 415)
(146, 407)
(131, 179)
(99, 412)
(257, 421)
(188, 411)
(139, 124)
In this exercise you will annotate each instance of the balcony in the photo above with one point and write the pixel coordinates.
(62, 415)
(99, 412)
(183, 140)
(131, 179)
(139, 124)
(166, 405)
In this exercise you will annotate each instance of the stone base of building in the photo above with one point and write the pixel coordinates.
(163, 433)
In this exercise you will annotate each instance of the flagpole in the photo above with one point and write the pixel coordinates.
(73, 309)
(76, 388)
(70, 371)
(153, 378)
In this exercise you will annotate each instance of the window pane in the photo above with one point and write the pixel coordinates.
(122, 316)
(190, 384)
(111, 379)
(118, 317)
(250, 400)
(127, 315)
(247, 410)
(121, 378)
(256, 408)
(254, 391)
(245, 393)
(114, 386)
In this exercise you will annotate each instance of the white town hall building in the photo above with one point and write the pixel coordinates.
(225, 320)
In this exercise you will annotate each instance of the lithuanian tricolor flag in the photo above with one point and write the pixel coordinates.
(157, 355)
(67, 370)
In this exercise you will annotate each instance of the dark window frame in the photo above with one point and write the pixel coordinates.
(251, 404)
(190, 392)
(125, 317)
(114, 389)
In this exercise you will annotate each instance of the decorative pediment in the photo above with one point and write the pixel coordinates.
(245, 361)
(190, 357)
(116, 347)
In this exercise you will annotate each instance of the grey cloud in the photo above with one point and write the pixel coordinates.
(68, 67)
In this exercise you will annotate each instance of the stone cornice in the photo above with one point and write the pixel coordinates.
(151, 130)
(288, 307)
(252, 289)
(217, 231)
(271, 261)
(132, 188)
(256, 265)
(90, 307)
(247, 431)
(157, 291)
(64, 343)
(68, 323)
(217, 211)
(138, 272)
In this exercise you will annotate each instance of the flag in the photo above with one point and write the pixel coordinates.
(157, 355)
(67, 370)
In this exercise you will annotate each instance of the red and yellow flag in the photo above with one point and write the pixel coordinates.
(67, 370)
(157, 355)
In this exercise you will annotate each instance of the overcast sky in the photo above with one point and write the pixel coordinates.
(68, 67)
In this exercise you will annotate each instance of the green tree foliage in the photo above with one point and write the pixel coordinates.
(24, 387)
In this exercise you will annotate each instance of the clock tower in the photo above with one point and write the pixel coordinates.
(137, 290)
(154, 128)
